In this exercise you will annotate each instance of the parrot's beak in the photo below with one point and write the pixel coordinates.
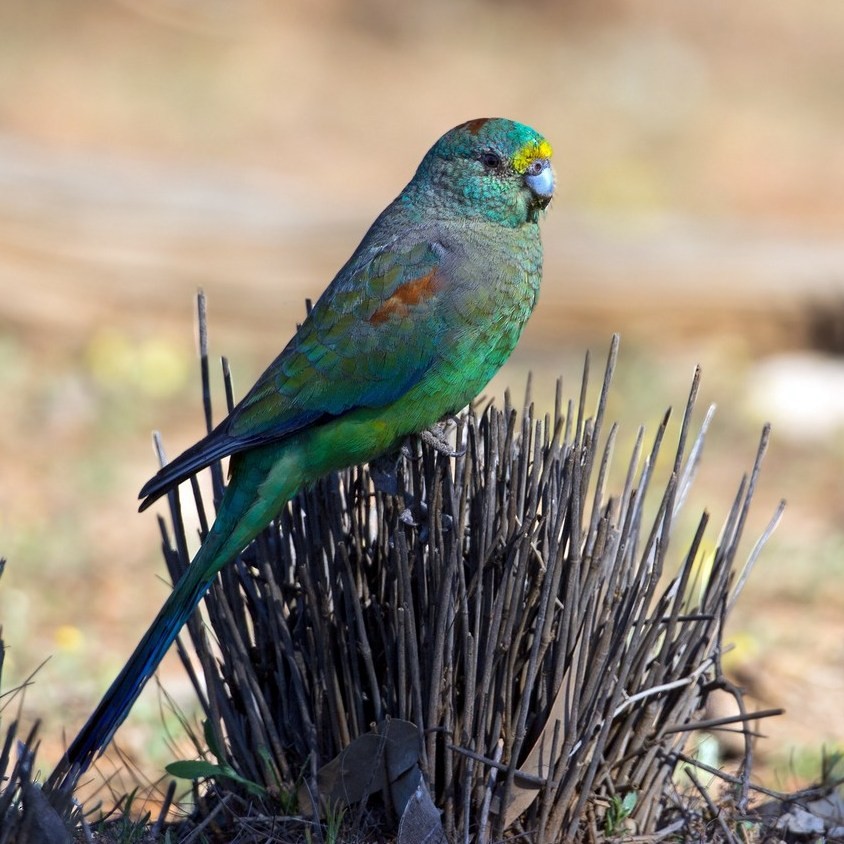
(539, 178)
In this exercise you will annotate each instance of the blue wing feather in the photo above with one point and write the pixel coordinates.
(342, 357)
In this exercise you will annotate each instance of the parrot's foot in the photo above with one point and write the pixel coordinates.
(437, 438)
(384, 472)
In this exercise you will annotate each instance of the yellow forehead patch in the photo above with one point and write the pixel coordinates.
(529, 153)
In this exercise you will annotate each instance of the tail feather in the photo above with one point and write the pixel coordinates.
(204, 453)
(243, 513)
(123, 692)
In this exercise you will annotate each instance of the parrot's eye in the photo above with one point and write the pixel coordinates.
(491, 160)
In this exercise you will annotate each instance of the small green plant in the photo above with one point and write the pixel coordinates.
(197, 769)
(287, 798)
(618, 811)
(334, 815)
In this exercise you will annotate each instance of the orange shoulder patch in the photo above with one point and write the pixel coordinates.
(405, 297)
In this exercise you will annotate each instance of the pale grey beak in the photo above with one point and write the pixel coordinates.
(540, 178)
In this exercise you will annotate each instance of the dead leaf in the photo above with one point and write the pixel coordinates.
(385, 758)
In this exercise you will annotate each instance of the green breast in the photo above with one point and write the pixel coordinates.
(494, 292)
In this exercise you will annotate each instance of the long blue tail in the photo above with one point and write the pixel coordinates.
(123, 692)
(243, 513)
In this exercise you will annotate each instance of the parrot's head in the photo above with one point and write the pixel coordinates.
(489, 167)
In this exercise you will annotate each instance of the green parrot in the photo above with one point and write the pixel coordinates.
(427, 309)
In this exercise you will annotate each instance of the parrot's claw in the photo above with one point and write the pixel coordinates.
(437, 438)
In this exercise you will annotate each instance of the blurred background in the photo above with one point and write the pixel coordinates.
(151, 148)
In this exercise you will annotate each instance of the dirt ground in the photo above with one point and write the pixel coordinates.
(150, 149)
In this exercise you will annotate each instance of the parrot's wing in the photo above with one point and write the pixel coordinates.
(372, 336)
